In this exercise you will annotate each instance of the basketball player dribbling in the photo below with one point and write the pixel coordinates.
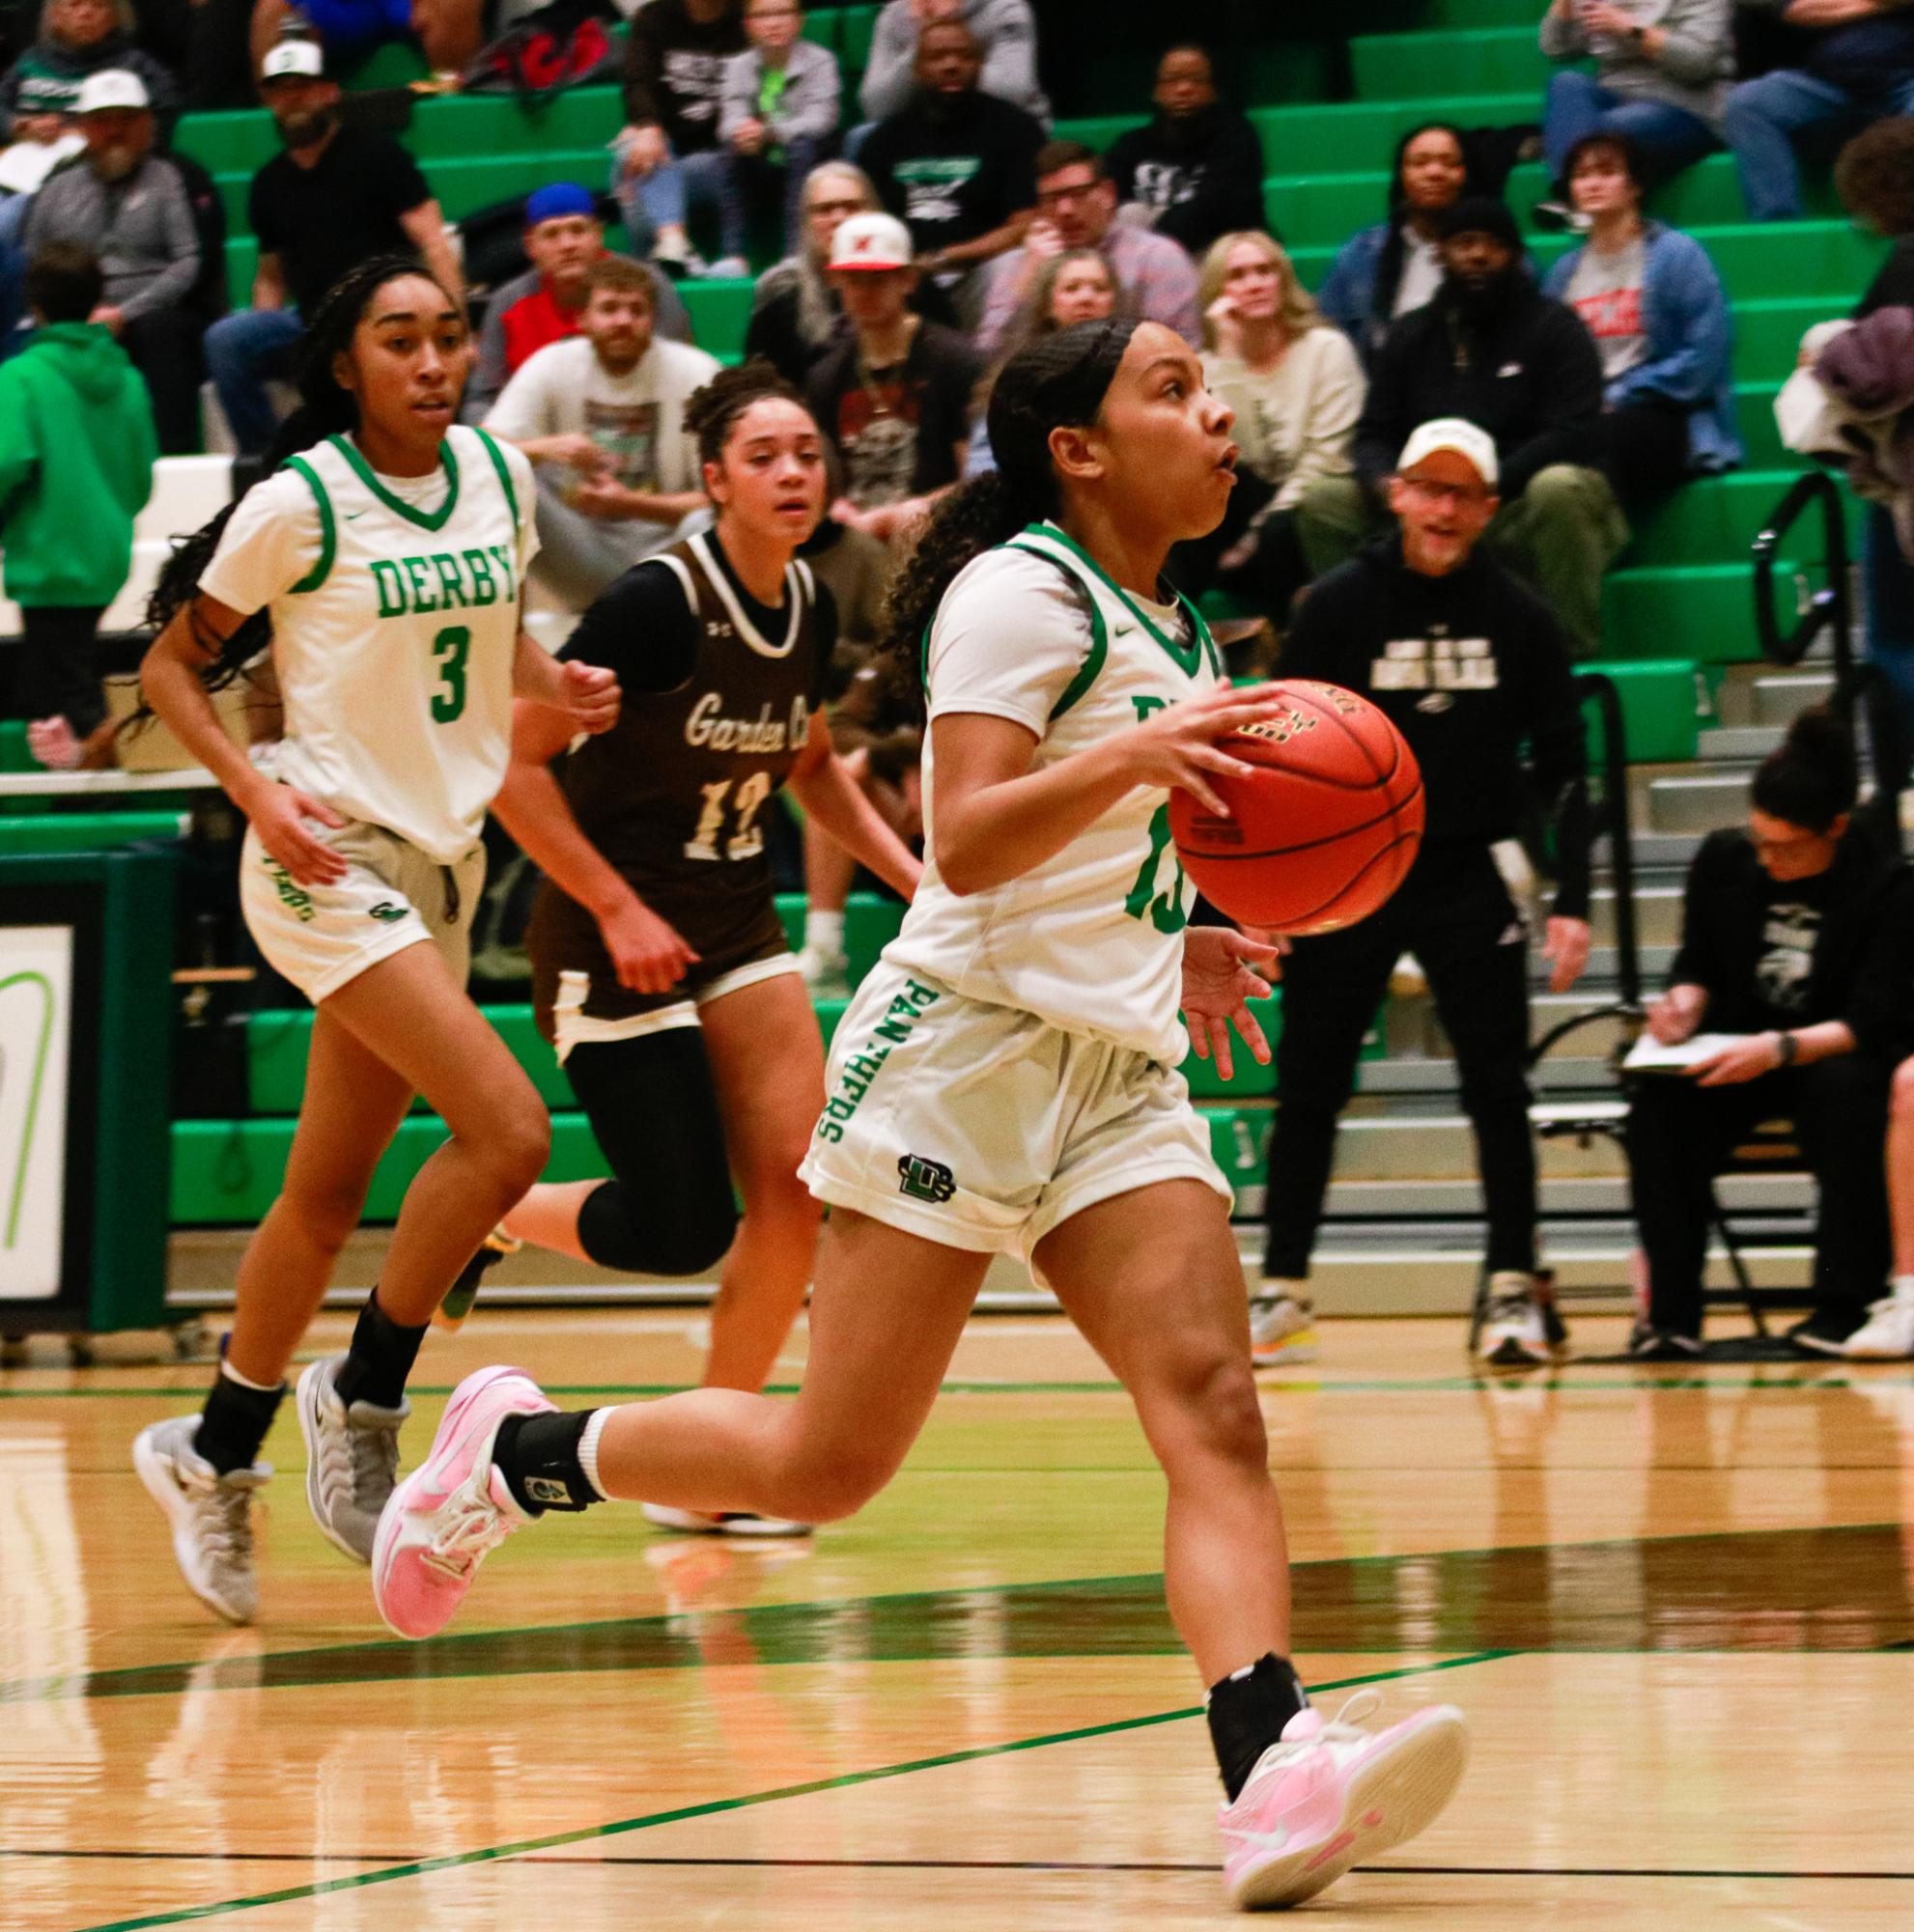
(1004, 1080)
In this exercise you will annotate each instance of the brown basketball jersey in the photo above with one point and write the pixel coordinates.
(675, 794)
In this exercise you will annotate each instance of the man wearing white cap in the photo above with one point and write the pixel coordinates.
(895, 393)
(131, 207)
(1468, 665)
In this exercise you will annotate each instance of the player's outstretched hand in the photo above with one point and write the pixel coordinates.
(647, 952)
(279, 815)
(1223, 969)
(591, 695)
(1178, 745)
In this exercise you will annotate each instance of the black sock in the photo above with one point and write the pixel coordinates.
(1247, 1713)
(538, 1456)
(380, 1359)
(234, 1422)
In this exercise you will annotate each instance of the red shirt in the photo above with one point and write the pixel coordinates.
(533, 322)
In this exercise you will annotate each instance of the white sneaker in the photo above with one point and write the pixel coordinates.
(210, 1514)
(351, 1459)
(725, 1523)
(1514, 1331)
(1887, 1334)
(1282, 1324)
(1331, 1795)
(826, 972)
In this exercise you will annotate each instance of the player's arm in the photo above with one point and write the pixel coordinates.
(648, 954)
(832, 796)
(995, 819)
(171, 677)
(585, 697)
(601, 496)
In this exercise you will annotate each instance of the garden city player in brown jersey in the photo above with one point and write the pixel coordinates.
(659, 966)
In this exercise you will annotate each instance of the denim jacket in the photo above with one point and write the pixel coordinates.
(1685, 316)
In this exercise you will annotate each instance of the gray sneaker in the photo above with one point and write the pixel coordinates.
(351, 1459)
(210, 1514)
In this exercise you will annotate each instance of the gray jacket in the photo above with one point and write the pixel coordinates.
(1694, 71)
(141, 229)
(808, 107)
(670, 319)
(1006, 35)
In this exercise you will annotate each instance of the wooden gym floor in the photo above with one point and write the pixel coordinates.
(1677, 1606)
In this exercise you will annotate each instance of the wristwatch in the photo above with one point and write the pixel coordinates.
(1789, 1047)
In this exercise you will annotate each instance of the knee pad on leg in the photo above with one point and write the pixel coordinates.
(620, 1230)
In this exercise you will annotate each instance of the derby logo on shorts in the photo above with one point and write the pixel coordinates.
(385, 910)
(925, 1180)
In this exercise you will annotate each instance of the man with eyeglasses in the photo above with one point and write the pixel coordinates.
(1077, 209)
(1493, 349)
(1468, 665)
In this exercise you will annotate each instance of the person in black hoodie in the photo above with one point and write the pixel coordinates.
(1468, 664)
(1196, 170)
(1491, 349)
(1798, 938)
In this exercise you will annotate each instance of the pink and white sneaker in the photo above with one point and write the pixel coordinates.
(454, 1509)
(1331, 1795)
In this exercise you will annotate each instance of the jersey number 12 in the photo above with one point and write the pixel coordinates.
(747, 840)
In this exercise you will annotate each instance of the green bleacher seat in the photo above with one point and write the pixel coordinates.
(1660, 709)
(1715, 516)
(1239, 1142)
(84, 831)
(13, 753)
(719, 312)
(1474, 60)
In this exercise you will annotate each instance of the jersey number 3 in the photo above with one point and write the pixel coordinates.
(747, 840)
(450, 646)
(1163, 910)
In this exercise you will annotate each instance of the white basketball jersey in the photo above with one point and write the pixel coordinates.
(394, 652)
(1091, 940)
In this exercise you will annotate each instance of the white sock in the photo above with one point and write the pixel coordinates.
(232, 1374)
(1904, 1287)
(825, 930)
(588, 1450)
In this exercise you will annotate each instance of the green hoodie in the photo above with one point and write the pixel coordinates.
(76, 454)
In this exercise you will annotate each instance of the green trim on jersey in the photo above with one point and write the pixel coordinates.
(1188, 657)
(497, 456)
(1093, 658)
(329, 535)
(437, 519)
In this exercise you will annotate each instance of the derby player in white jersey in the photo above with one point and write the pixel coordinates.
(382, 567)
(1006, 1081)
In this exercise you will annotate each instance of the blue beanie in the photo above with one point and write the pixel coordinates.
(548, 204)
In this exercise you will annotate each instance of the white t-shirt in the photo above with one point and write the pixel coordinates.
(1090, 941)
(395, 620)
(1421, 274)
(565, 390)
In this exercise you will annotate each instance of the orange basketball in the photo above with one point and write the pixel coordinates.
(1325, 828)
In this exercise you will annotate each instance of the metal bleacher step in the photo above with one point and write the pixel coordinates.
(1433, 1142)
(1736, 742)
(1772, 1195)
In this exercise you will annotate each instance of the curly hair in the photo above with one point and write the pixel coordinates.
(1810, 779)
(712, 412)
(1059, 381)
(1874, 175)
(324, 409)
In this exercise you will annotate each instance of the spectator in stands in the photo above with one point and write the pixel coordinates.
(1195, 170)
(778, 115)
(448, 32)
(1297, 388)
(956, 166)
(337, 196)
(563, 237)
(1383, 272)
(131, 209)
(1472, 668)
(76, 456)
(77, 38)
(894, 394)
(602, 417)
(795, 311)
(1492, 349)
(669, 162)
(1798, 938)
(1005, 33)
(1655, 304)
(1857, 65)
(1874, 178)
(1075, 286)
(1663, 68)
(1077, 209)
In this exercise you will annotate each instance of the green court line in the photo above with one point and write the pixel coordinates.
(584, 1833)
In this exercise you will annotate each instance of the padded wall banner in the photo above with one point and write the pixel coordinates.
(36, 1003)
